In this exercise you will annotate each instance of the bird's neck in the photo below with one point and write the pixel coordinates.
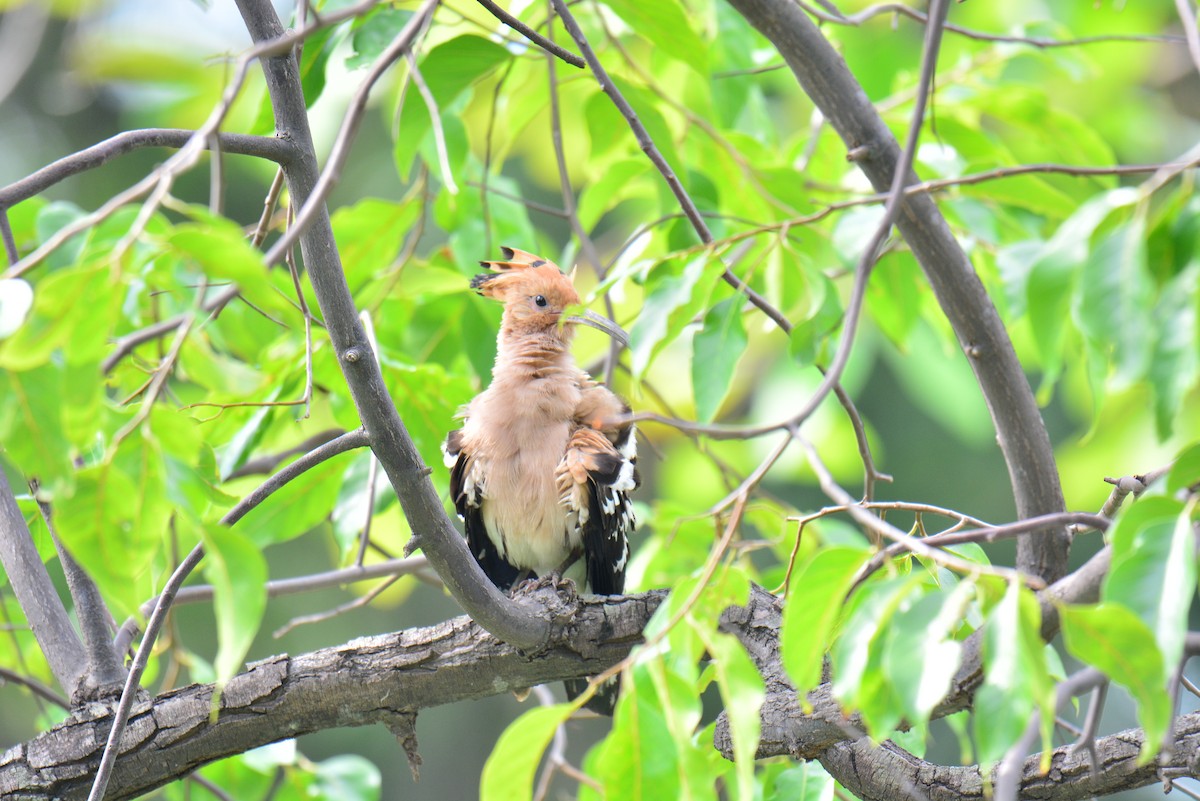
(526, 356)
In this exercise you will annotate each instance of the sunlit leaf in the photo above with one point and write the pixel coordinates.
(511, 768)
(238, 573)
(716, 350)
(813, 607)
(1110, 637)
(1153, 570)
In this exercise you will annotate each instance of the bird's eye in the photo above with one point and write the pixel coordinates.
(540, 300)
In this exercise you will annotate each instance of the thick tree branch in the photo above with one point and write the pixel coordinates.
(376, 679)
(981, 334)
(36, 595)
(885, 773)
(390, 440)
(787, 730)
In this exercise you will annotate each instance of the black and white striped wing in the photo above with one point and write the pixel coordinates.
(466, 490)
(595, 479)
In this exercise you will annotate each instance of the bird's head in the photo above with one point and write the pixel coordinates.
(538, 297)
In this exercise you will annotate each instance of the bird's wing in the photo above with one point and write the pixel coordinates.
(594, 482)
(466, 490)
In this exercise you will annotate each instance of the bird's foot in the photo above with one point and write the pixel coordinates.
(550, 581)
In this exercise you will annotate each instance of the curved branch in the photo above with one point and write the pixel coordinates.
(264, 147)
(532, 35)
(981, 334)
(380, 679)
(434, 534)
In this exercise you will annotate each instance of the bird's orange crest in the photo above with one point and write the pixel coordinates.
(537, 296)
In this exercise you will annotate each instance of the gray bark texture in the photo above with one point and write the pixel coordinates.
(381, 679)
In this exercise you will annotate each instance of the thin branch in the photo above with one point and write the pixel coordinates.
(133, 680)
(35, 594)
(162, 604)
(1011, 768)
(270, 148)
(910, 543)
(105, 670)
(1187, 16)
(6, 233)
(980, 332)
(35, 687)
(341, 609)
(268, 212)
(532, 35)
(1038, 42)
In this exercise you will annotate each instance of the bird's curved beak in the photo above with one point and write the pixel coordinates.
(601, 323)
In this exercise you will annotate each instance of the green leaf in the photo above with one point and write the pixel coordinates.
(115, 523)
(448, 70)
(665, 24)
(224, 253)
(1153, 570)
(1110, 637)
(298, 507)
(716, 350)
(813, 607)
(742, 694)
(922, 656)
(511, 768)
(238, 573)
(1185, 472)
(346, 777)
(652, 752)
(1175, 360)
(1017, 680)
(668, 308)
(31, 424)
(374, 32)
(804, 782)
(58, 321)
(1115, 298)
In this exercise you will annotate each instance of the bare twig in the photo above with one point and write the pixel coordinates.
(910, 543)
(329, 614)
(264, 147)
(1187, 16)
(34, 686)
(1033, 41)
(532, 35)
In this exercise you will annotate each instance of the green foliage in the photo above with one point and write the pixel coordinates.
(1097, 278)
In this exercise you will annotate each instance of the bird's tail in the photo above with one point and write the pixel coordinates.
(605, 699)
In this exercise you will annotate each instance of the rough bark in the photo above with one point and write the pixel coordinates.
(885, 773)
(380, 679)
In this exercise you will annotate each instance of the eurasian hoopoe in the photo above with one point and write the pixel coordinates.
(542, 468)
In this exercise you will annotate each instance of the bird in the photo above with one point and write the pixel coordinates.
(542, 468)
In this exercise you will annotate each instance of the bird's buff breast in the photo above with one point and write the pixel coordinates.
(520, 504)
